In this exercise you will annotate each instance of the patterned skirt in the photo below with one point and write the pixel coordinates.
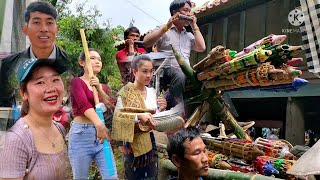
(144, 167)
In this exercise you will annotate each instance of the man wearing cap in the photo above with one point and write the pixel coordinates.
(41, 28)
(34, 146)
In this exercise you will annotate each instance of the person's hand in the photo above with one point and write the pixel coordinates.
(94, 81)
(194, 22)
(102, 132)
(162, 103)
(173, 19)
(130, 45)
(146, 119)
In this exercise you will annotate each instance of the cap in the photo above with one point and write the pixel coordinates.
(29, 64)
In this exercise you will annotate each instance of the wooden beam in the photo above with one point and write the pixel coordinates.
(268, 123)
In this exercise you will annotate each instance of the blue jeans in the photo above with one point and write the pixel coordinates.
(85, 147)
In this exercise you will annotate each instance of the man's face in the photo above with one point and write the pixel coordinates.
(185, 10)
(41, 30)
(195, 160)
(134, 36)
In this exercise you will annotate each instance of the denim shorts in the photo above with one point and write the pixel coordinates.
(85, 147)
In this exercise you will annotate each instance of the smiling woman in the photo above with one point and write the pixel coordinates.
(35, 140)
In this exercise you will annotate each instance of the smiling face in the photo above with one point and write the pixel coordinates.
(144, 72)
(195, 160)
(44, 91)
(41, 30)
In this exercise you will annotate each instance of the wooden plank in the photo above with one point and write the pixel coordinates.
(225, 32)
(217, 33)
(209, 37)
(242, 29)
(268, 123)
(233, 36)
(312, 89)
(277, 17)
(255, 24)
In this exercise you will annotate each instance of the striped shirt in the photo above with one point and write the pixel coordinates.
(19, 157)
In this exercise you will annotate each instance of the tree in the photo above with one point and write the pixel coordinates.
(97, 37)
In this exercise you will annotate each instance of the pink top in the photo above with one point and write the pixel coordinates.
(82, 97)
(19, 157)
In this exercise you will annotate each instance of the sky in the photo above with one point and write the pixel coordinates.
(121, 12)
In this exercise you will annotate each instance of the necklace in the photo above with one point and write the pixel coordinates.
(53, 145)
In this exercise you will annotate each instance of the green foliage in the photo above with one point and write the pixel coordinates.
(69, 39)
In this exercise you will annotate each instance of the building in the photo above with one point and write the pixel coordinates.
(12, 39)
(236, 24)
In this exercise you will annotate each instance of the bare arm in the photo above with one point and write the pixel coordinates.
(199, 43)
(153, 37)
(105, 98)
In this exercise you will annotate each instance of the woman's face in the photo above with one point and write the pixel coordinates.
(45, 91)
(144, 72)
(95, 60)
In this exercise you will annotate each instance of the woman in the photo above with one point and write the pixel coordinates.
(132, 124)
(34, 147)
(87, 130)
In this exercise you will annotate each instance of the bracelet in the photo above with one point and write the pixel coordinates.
(165, 28)
(196, 29)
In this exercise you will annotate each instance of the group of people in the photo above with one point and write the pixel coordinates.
(35, 146)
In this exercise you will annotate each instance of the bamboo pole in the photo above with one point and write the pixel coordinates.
(167, 167)
(88, 64)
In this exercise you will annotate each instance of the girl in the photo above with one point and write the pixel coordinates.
(87, 130)
(133, 123)
(34, 147)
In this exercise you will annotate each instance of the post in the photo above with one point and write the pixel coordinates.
(294, 122)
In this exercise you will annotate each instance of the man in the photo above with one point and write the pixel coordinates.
(187, 152)
(124, 56)
(41, 28)
(174, 33)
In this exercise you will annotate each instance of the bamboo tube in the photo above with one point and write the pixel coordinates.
(216, 106)
(88, 64)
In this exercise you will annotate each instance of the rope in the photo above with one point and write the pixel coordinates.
(245, 145)
(247, 77)
(235, 82)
